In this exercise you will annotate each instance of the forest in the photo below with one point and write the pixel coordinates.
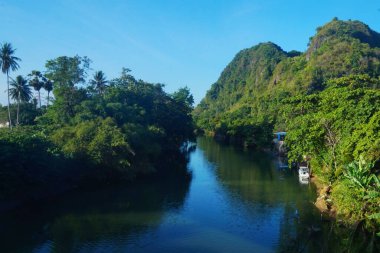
(96, 131)
(92, 131)
(327, 99)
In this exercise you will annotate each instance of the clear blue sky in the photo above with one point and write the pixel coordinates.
(177, 43)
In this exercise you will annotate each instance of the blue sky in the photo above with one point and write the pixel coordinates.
(177, 43)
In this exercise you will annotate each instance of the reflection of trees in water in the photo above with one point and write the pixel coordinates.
(254, 184)
(299, 231)
(87, 217)
(250, 177)
(253, 176)
(322, 236)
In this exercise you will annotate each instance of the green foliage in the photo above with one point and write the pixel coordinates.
(359, 173)
(335, 126)
(36, 80)
(326, 99)
(124, 129)
(8, 62)
(67, 71)
(27, 113)
(184, 96)
(358, 196)
(99, 141)
(349, 200)
(29, 162)
(102, 133)
(256, 82)
(345, 29)
(231, 96)
(19, 90)
(99, 82)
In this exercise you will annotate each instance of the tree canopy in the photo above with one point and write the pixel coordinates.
(326, 99)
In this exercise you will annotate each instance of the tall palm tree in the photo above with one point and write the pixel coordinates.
(8, 62)
(21, 92)
(37, 82)
(48, 86)
(99, 81)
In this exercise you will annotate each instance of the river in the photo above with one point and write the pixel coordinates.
(236, 201)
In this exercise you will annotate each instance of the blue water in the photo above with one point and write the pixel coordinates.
(236, 201)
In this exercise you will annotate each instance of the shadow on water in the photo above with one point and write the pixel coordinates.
(236, 201)
(253, 177)
(101, 219)
(254, 183)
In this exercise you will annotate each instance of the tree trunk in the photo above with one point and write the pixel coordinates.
(9, 110)
(18, 108)
(39, 97)
(48, 99)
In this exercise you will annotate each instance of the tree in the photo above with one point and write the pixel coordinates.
(99, 82)
(8, 62)
(66, 72)
(48, 86)
(125, 79)
(20, 92)
(184, 96)
(37, 82)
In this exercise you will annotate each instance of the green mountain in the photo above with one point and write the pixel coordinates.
(248, 72)
(327, 99)
(249, 91)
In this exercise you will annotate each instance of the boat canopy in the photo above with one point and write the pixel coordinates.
(280, 135)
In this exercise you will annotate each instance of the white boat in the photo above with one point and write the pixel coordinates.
(303, 180)
(304, 172)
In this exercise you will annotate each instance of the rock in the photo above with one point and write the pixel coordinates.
(321, 205)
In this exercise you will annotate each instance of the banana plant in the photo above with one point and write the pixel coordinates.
(359, 174)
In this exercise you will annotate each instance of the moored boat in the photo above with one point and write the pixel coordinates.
(304, 172)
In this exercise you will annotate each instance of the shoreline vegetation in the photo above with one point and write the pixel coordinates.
(327, 99)
(90, 132)
(95, 131)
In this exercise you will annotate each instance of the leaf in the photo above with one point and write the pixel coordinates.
(375, 216)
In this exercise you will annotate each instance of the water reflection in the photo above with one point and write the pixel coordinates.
(273, 208)
(237, 201)
(254, 176)
(107, 219)
(263, 195)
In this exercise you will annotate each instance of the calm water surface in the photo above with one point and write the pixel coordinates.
(237, 201)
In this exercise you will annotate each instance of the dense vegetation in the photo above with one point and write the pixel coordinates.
(328, 101)
(92, 131)
(338, 128)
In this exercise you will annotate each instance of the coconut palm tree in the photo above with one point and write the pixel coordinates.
(48, 86)
(99, 81)
(37, 82)
(20, 92)
(8, 62)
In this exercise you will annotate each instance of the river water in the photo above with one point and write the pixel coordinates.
(236, 201)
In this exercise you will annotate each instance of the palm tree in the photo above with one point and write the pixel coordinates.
(21, 92)
(8, 62)
(37, 82)
(48, 86)
(99, 81)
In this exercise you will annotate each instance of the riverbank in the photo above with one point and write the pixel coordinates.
(323, 202)
(339, 206)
